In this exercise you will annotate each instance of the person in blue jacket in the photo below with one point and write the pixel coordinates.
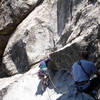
(82, 71)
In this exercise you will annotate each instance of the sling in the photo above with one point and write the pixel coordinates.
(79, 62)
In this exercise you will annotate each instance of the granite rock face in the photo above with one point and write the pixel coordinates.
(33, 39)
(78, 24)
(62, 27)
(12, 13)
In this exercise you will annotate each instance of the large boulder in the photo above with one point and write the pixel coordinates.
(12, 12)
(33, 39)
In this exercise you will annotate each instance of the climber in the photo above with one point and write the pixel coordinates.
(81, 73)
(43, 72)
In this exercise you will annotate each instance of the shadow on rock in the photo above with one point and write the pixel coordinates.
(73, 94)
(19, 56)
(3, 71)
(92, 2)
(39, 91)
(65, 12)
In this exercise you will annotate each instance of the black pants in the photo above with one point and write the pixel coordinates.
(94, 83)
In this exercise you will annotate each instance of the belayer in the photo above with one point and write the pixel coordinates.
(43, 72)
(82, 71)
